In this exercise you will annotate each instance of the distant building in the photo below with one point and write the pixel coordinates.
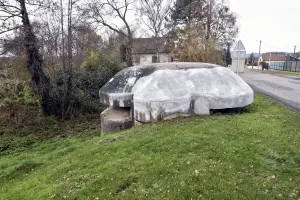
(274, 57)
(276, 60)
(145, 50)
(292, 57)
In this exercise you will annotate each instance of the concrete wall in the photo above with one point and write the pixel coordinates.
(238, 66)
(147, 58)
(254, 67)
(241, 67)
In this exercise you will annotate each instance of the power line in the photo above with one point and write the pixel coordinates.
(273, 46)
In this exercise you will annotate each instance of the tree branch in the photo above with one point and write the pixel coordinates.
(10, 29)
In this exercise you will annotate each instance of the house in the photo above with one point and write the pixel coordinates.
(274, 57)
(150, 50)
(276, 60)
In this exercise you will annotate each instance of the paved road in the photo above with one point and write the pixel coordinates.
(283, 88)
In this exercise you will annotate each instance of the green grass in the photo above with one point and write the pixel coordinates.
(251, 155)
(286, 72)
(278, 72)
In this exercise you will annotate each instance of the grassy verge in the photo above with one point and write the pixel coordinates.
(278, 72)
(22, 127)
(252, 155)
(286, 73)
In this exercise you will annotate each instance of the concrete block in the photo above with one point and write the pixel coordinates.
(167, 90)
(115, 119)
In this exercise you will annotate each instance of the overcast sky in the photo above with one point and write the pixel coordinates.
(275, 22)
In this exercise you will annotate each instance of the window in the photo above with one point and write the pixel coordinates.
(154, 59)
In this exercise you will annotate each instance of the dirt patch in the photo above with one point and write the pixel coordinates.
(109, 140)
(23, 167)
(229, 111)
(127, 184)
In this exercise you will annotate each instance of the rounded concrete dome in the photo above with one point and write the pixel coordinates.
(163, 91)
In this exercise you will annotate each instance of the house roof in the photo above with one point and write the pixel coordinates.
(148, 45)
(274, 56)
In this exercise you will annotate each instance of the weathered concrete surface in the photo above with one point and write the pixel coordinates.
(115, 119)
(284, 88)
(171, 93)
(117, 92)
(163, 91)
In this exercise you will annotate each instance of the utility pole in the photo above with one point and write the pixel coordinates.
(295, 51)
(238, 64)
(270, 59)
(259, 54)
(252, 57)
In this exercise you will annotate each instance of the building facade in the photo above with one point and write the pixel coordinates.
(150, 50)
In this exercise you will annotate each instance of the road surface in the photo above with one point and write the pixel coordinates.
(283, 88)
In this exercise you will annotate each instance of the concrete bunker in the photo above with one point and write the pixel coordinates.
(148, 93)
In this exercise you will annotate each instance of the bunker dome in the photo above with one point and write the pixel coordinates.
(163, 91)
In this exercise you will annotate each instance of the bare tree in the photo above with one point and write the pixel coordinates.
(213, 16)
(48, 33)
(62, 34)
(67, 99)
(153, 14)
(113, 15)
(223, 23)
(192, 46)
(12, 10)
(85, 39)
(14, 14)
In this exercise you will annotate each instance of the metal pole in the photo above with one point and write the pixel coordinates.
(270, 59)
(238, 63)
(259, 54)
(252, 59)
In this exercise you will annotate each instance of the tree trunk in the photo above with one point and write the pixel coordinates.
(62, 37)
(209, 17)
(157, 47)
(35, 64)
(67, 101)
(129, 59)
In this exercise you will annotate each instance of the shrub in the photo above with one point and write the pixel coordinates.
(12, 92)
(96, 60)
(96, 71)
(88, 84)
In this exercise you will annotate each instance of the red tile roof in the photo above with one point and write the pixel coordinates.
(274, 56)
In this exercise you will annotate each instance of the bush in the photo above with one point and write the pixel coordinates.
(12, 92)
(96, 60)
(97, 71)
(88, 84)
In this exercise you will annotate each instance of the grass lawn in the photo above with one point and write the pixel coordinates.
(251, 155)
